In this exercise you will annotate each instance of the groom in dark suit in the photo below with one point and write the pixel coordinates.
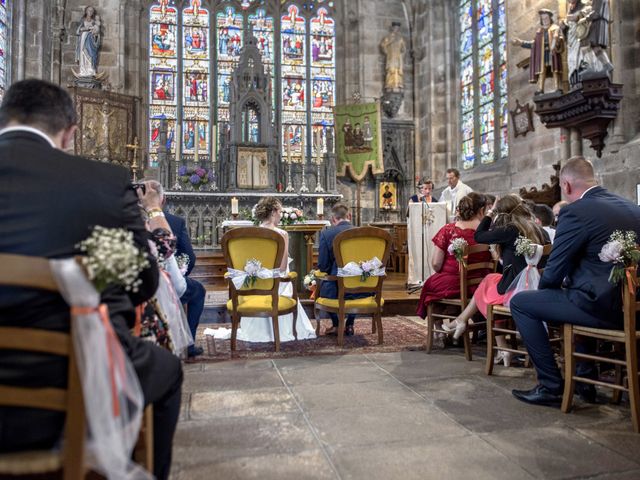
(575, 286)
(341, 221)
(50, 201)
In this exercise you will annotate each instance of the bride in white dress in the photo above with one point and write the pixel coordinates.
(255, 329)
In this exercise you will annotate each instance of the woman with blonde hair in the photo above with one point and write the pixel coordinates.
(501, 227)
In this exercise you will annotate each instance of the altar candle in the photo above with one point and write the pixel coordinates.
(234, 206)
(302, 148)
(319, 144)
(320, 206)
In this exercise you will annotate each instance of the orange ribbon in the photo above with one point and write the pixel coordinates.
(113, 348)
(137, 327)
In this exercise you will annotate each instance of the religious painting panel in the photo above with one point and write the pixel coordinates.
(466, 15)
(195, 136)
(387, 196)
(358, 139)
(485, 59)
(485, 22)
(486, 86)
(293, 33)
(487, 147)
(253, 168)
(230, 38)
(322, 39)
(224, 83)
(468, 126)
(322, 126)
(250, 124)
(466, 43)
(323, 91)
(467, 98)
(163, 81)
(196, 83)
(466, 70)
(196, 42)
(293, 89)
(293, 135)
(487, 117)
(163, 39)
(468, 154)
(262, 27)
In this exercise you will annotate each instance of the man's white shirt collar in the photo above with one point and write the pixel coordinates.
(25, 128)
(585, 192)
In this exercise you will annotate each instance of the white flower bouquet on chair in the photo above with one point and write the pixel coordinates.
(456, 248)
(622, 251)
(529, 278)
(364, 269)
(253, 270)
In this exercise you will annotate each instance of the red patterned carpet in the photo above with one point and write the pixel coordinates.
(400, 333)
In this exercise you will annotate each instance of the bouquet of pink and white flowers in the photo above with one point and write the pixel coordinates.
(291, 215)
(456, 248)
(622, 251)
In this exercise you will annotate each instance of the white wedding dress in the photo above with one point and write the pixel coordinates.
(256, 329)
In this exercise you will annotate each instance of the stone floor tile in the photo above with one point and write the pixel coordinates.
(241, 403)
(217, 440)
(330, 374)
(386, 392)
(351, 427)
(457, 388)
(242, 364)
(226, 379)
(553, 452)
(308, 465)
(466, 457)
(318, 360)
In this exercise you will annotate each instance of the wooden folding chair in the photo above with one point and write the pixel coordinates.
(459, 303)
(628, 337)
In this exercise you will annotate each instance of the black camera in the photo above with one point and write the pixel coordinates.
(139, 186)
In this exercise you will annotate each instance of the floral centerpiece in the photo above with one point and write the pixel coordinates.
(112, 259)
(456, 248)
(291, 215)
(622, 251)
(195, 176)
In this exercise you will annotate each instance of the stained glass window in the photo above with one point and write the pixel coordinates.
(483, 82)
(194, 47)
(4, 45)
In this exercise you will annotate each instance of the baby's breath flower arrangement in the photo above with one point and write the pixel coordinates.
(252, 267)
(183, 262)
(456, 248)
(112, 258)
(524, 246)
(621, 250)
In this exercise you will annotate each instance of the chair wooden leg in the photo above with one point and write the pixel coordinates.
(373, 325)
(74, 464)
(569, 368)
(316, 316)
(467, 345)
(616, 397)
(295, 320)
(276, 333)
(341, 323)
(378, 320)
(632, 377)
(430, 325)
(490, 341)
(235, 320)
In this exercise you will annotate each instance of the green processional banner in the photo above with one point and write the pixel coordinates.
(358, 139)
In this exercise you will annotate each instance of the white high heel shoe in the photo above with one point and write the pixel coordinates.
(458, 330)
(504, 357)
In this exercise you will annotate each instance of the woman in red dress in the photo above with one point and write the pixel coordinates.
(501, 227)
(445, 283)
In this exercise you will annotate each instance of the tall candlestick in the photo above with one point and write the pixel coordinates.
(234, 206)
(287, 141)
(196, 127)
(320, 206)
(318, 136)
(302, 152)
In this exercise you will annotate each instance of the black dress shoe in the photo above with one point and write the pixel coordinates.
(348, 330)
(331, 331)
(586, 392)
(194, 351)
(539, 395)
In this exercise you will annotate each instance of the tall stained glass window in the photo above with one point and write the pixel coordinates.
(4, 45)
(483, 82)
(194, 47)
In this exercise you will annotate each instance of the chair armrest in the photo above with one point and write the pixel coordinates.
(290, 277)
(322, 276)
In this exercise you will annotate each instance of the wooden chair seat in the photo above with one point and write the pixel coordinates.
(262, 305)
(367, 304)
(609, 335)
(30, 462)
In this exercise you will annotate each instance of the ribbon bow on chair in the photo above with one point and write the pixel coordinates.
(364, 270)
(253, 270)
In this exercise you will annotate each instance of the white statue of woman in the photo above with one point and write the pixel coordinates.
(88, 42)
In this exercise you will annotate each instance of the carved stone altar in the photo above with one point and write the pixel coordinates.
(107, 124)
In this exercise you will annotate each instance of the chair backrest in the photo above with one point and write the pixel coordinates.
(361, 244)
(630, 303)
(34, 272)
(245, 243)
(467, 281)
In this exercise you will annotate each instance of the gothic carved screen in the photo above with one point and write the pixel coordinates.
(194, 47)
(4, 44)
(483, 82)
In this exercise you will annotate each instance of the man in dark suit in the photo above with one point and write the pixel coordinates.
(575, 286)
(195, 294)
(340, 219)
(50, 201)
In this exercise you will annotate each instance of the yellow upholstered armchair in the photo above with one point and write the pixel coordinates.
(357, 245)
(259, 299)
